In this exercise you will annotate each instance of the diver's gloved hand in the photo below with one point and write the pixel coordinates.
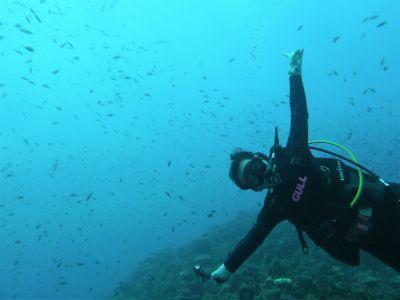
(221, 274)
(295, 61)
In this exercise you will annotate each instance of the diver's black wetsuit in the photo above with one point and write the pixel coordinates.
(315, 195)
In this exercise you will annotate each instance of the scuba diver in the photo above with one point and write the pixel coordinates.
(342, 208)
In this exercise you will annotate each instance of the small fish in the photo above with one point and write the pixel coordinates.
(382, 61)
(67, 45)
(25, 31)
(168, 194)
(204, 77)
(55, 72)
(36, 16)
(28, 48)
(335, 39)
(333, 72)
(383, 23)
(169, 163)
(89, 196)
(232, 59)
(370, 18)
(28, 80)
(372, 90)
(110, 115)
(300, 28)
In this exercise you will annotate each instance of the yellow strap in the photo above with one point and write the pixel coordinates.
(353, 157)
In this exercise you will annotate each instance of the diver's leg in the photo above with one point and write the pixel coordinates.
(383, 241)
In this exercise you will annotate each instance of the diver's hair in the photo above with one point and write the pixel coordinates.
(236, 158)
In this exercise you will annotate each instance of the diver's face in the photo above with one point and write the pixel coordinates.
(252, 172)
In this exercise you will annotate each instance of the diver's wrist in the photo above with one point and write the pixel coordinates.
(294, 70)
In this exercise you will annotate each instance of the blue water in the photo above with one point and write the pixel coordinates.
(117, 119)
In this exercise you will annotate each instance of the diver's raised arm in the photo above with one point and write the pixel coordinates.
(298, 136)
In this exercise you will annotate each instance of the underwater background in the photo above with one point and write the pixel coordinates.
(117, 119)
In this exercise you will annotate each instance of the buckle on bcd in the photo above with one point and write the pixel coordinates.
(276, 179)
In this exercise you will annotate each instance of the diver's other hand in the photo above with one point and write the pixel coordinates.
(221, 274)
(295, 58)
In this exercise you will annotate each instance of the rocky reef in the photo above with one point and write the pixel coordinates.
(277, 270)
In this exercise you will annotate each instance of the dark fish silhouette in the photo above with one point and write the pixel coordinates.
(300, 28)
(335, 39)
(28, 80)
(25, 31)
(36, 16)
(383, 23)
(28, 48)
(370, 18)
